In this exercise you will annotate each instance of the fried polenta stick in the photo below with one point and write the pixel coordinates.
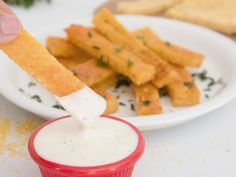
(37, 61)
(91, 73)
(106, 24)
(122, 62)
(183, 92)
(71, 62)
(147, 100)
(169, 52)
(108, 82)
(112, 102)
(60, 47)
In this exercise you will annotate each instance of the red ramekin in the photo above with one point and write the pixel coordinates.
(122, 168)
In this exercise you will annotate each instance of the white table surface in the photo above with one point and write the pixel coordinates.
(205, 147)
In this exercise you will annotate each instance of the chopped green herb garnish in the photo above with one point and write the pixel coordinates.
(101, 63)
(132, 107)
(118, 50)
(96, 47)
(168, 43)
(123, 82)
(220, 81)
(130, 63)
(74, 72)
(21, 90)
(90, 34)
(31, 84)
(122, 104)
(36, 98)
(162, 92)
(206, 96)
(146, 102)
(142, 39)
(203, 77)
(58, 106)
(188, 84)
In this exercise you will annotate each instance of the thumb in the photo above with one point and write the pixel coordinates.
(9, 24)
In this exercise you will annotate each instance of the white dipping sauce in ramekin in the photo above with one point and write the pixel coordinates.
(105, 142)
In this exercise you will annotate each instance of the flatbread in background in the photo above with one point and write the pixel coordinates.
(146, 7)
(217, 14)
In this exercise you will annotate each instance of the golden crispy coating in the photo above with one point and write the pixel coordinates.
(183, 92)
(91, 73)
(169, 52)
(112, 102)
(60, 47)
(118, 59)
(37, 61)
(108, 82)
(71, 62)
(147, 100)
(106, 24)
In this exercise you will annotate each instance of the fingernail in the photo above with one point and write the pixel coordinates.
(9, 25)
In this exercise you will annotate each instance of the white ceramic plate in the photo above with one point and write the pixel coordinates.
(220, 62)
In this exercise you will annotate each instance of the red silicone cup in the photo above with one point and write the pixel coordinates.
(122, 168)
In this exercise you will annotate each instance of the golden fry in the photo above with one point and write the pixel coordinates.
(108, 83)
(118, 59)
(147, 100)
(169, 52)
(70, 62)
(112, 102)
(106, 24)
(60, 47)
(183, 92)
(90, 73)
(37, 61)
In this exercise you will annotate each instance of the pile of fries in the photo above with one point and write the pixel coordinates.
(98, 55)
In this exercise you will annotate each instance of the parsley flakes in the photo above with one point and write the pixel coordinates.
(96, 47)
(118, 50)
(130, 63)
(122, 82)
(101, 63)
(202, 76)
(58, 106)
(146, 102)
(90, 35)
(31, 84)
(189, 84)
(122, 104)
(36, 98)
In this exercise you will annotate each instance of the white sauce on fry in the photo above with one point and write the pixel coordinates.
(84, 105)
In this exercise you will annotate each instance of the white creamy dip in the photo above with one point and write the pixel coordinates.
(84, 105)
(65, 142)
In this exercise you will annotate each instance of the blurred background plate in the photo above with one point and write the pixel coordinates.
(220, 62)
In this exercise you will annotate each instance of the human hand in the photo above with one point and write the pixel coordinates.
(9, 24)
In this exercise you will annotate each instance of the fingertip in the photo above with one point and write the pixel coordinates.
(9, 25)
(7, 39)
